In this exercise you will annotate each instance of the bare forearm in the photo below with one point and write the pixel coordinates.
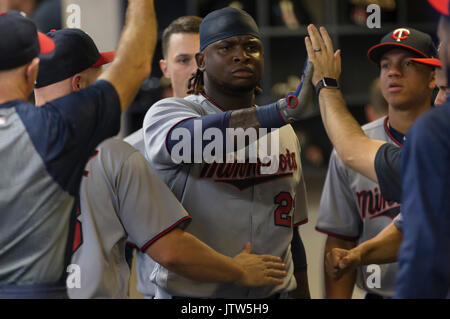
(132, 63)
(383, 248)
(354, 148)
(186, 255)
(342, 288)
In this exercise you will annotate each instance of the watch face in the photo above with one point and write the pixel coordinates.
(330, 82)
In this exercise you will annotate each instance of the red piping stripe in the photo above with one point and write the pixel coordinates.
(336, 235)
(396, 44)
(301, 223)
(386, 128)
(212, 102)
(151, 241)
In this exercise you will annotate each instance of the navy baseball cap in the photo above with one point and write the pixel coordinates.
(75, 51)
(443, 6)
(20, 42)
(409, 39)
(225, 23)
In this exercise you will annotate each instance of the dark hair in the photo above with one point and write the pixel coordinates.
(185, 24)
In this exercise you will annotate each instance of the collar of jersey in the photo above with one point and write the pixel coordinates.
(395, 135)
(214, 103)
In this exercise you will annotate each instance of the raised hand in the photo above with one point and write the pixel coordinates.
(260, 270)
(295, 104)
(327, 62)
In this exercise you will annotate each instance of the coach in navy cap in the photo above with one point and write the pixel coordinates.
(74, 64)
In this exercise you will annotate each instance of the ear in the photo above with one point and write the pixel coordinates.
(31, 72)
(200, 59)
(163, 67)
(76, 82)
(432, 83)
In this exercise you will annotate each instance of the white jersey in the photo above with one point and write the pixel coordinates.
(121, 198)
(231, 203)
(353, 208)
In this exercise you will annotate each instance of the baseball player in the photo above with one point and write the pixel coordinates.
(384, 247)
(352, 209)
(180, 41)
(111, 198)
(231, 203)
(45, 149)
(424, 263)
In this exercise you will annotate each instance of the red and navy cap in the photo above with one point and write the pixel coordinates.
(443, 6)
(409, 39)
(75, 51)
(20, 42)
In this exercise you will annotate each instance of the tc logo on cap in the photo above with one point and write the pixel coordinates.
(400, 34)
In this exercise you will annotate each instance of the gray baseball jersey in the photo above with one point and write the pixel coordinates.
(43, 152)
(121, 198)
(231, 203)
(353, 208)
(137, 141)
(144, 284)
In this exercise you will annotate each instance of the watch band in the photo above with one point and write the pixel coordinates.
(326, 83)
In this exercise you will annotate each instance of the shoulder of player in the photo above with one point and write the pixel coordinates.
(116, 150)
(174, 104)
(433, 122)
(374, 126)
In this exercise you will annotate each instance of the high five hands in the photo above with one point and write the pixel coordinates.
(327, 62)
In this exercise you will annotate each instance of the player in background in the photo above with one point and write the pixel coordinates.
(384, 247)
(180, 41)
(377, 160)
(241, 205)
(352, 210)
(45, 155)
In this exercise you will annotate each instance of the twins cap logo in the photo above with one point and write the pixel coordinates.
(400, 34)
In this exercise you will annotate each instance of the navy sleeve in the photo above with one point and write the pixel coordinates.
(388, 170)
(196, 127)
(66, 131)
(424, 258)
(298, 252)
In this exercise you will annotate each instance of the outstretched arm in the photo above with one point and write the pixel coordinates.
(184, 254)
(354, 148)
(381, 249)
